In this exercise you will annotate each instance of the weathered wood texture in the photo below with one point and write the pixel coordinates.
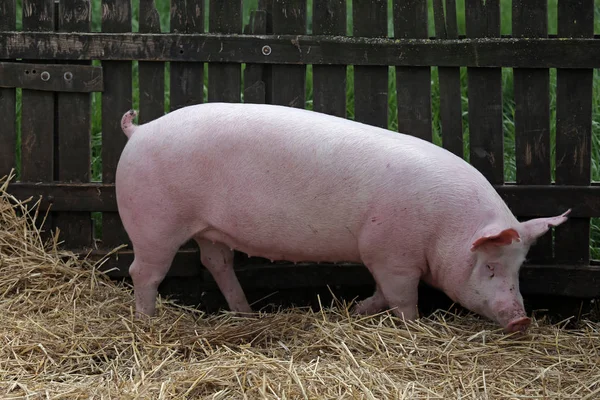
(116, 100)
(532, 112)
(187, 78)
(446, 27)
(8, 120)
(305, 49)
(224, 79)
(255, 74)
(370, 82)
(62, 78)
(288, 82)
(574, 129)
(37, 111)
(151, 74)
(564, 280)
(329, 81)
(73, 125)
(485, 95)
(413, 84)
(524, 200)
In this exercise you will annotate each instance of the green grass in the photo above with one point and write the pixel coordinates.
(507, 89)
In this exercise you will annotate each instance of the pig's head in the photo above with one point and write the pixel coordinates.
(499, 252)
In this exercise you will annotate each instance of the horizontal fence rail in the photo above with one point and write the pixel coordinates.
(303, 49)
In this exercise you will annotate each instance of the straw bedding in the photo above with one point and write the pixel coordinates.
(68, 332)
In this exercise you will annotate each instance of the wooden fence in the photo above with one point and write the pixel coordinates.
(51, 60)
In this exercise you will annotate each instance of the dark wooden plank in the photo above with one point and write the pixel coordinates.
(37, 126)
(116, 100)
(288, 81)
(449, 80)
(302, 49)
(8, 114)
(532, 112)
(329, 81)
(413, 84)
(187, 78)
(562, 280)
(485, 95)
(37, 112)
(574, 129)
(151, 74)
(63, 78)
(224, 79)
(523, 200)
(74, 134)
(254, 74)
(370, 82)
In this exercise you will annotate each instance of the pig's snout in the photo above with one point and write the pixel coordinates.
(518, 325)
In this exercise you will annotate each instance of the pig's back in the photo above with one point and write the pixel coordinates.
(304, 180)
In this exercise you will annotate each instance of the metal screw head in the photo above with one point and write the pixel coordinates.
(266, 50)
(45, 76)
(68, 76)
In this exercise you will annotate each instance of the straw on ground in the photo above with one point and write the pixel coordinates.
(68, 332)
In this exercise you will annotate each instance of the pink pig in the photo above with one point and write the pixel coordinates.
(291, 184)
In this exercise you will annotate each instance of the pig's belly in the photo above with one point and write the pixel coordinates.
(287, 244)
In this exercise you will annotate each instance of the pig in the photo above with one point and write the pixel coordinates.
(291, 184)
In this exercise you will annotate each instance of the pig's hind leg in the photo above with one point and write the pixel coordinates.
(218, 259)
(150, 266)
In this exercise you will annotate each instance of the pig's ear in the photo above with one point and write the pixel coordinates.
(534, 228)
(496, 238)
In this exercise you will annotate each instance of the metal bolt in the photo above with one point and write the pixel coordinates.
(68, 76)
(45, 76)
(266, 50)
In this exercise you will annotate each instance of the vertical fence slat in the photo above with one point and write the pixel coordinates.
(116, 100)
(74, 130)
(485, 95)
(449, 79)
(288, 81)
(152, 74)
(329, 81)
(413, 84)
(532, 112)
(370, 83)
(37, 124)
(224, 79)
(8, 133)
(187, 78)
(574, 129)
(254, 74)
(37, 111)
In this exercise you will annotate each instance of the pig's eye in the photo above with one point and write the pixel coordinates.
(491, 268)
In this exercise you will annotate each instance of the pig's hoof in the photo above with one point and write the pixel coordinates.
(518, 325)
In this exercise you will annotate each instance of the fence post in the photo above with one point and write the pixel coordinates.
(329, 81)
(8, 116)
(532, 112)
(74, 131)
(413, 84)
(116, 100)
(449, 80)
(370, 82)
(485, 95)
(574, 130)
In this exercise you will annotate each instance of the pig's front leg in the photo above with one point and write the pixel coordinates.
(398, 280)
(371, 305)
(218, 259)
